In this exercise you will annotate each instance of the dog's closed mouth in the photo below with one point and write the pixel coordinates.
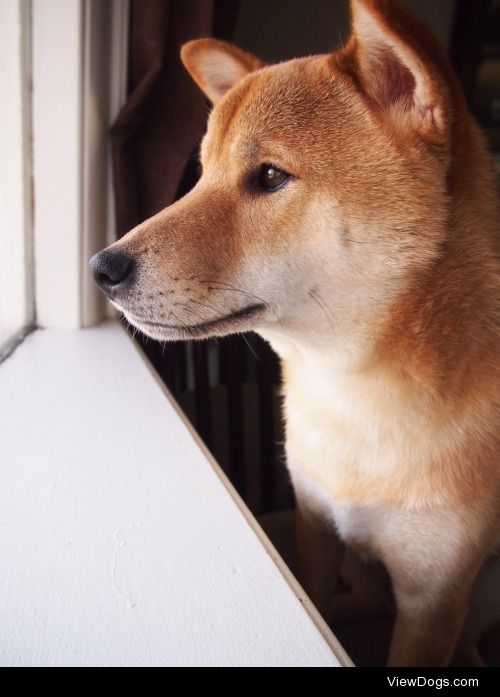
(202, 328)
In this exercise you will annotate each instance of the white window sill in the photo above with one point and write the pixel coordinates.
(121, 543)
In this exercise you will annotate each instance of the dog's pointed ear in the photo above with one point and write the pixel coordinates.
(216, 66)
(400, 66)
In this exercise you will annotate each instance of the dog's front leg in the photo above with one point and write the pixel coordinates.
(432, 587)
(427, 630)
(320, 554)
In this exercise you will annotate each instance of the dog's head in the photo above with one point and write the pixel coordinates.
(323, 192)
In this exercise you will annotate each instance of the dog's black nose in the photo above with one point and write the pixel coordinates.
(113, 271)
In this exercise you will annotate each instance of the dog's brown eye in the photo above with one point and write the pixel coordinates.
(272, 178)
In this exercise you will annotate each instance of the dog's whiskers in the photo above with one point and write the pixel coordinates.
(324, 307)
(210, 307)
(186, 307)
(250, 348)
(228, 287)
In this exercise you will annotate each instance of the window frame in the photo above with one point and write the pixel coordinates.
(17, 245)
(81, 95)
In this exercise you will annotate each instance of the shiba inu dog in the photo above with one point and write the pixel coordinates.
(347, 212)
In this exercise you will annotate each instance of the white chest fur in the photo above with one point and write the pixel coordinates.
(364, 437)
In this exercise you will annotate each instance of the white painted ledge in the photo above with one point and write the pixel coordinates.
(120, 543)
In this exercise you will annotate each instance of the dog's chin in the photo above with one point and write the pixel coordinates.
(243, 320)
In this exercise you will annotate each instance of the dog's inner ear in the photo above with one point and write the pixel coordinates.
(394, 67)
(217, 66)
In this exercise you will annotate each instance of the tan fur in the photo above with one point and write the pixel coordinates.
(375, 274)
